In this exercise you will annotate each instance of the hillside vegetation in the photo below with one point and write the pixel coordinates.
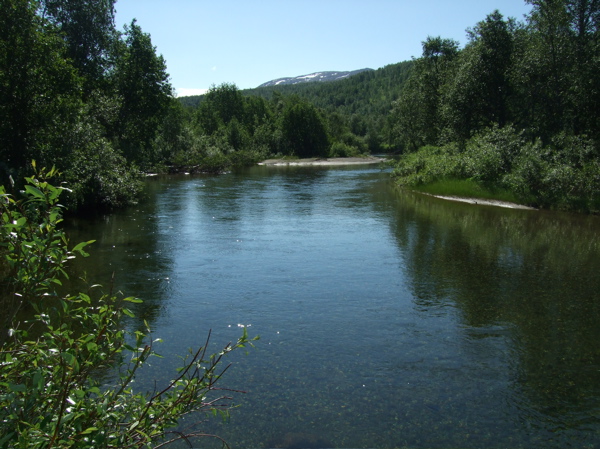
(354, 112)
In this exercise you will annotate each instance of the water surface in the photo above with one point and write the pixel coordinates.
(387, 319)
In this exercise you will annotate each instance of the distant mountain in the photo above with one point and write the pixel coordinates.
(313, 77)
(364, 92)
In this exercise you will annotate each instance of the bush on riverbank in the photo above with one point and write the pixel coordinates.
(55, 347)
(562, 175)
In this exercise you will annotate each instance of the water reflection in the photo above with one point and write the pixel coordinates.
(388, 319)
(530, 275)
(129, 256)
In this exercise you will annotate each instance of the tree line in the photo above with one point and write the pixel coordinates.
(517, 108)
(354, 111)
(228, 127)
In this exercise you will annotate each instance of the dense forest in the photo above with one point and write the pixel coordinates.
(515, 109)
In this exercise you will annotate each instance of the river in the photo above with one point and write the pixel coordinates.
(387, 318)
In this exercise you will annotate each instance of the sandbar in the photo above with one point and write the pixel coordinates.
(323, 161)
(483, 202)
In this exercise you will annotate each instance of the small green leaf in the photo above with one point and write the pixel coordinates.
(71, 360)
(34, 191)
(82, 245)
(6, 438)
(38, 381)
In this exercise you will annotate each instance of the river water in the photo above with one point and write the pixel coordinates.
(387, 319)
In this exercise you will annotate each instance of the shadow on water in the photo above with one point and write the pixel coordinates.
(530, 275)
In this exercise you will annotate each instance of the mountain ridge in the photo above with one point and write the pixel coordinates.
(314, 77)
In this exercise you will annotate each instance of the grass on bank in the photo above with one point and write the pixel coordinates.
(466, 188)
(500, 163)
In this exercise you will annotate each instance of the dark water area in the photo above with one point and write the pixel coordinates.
(387, 319)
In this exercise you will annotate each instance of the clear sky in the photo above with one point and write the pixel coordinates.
(249, 42)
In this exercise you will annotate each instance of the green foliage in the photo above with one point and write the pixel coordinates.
(304, 130)
(348, 145)
(428, 165)
(38, 87)
(489, 154)
(341, 149)
(562, 175)
(418, 110)
(143, 84)
(33, 248)
(361, 103)
(101, 178)
(368, 94)
(73, 90)
(540, 78)
(565, 174)
(51, 363)
(89, 34)
(225, 102)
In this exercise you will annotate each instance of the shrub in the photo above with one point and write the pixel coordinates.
(101, 177)
(341, 149)
(428, 165)
(50, 395)
(489, 154)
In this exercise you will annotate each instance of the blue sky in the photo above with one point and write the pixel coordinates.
(249, 42)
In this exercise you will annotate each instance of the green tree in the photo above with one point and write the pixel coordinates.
(89, 32)
(221, 104)
(256, 113)
(418, 110)
(143, 86)
(305, 131)
(559, 73)
(38, 87)
(477, 95)
(586, 16)
(545, 82)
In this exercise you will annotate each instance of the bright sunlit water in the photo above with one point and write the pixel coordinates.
(387, 319)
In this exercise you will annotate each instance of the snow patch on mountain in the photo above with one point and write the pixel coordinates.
(312, 77)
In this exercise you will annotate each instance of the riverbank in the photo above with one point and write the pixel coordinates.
(480, 201)
(334, 161)
(469, 191)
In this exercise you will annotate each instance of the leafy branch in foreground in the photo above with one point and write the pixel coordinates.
(52, 361)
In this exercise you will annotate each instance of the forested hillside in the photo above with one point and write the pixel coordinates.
(358, 106)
